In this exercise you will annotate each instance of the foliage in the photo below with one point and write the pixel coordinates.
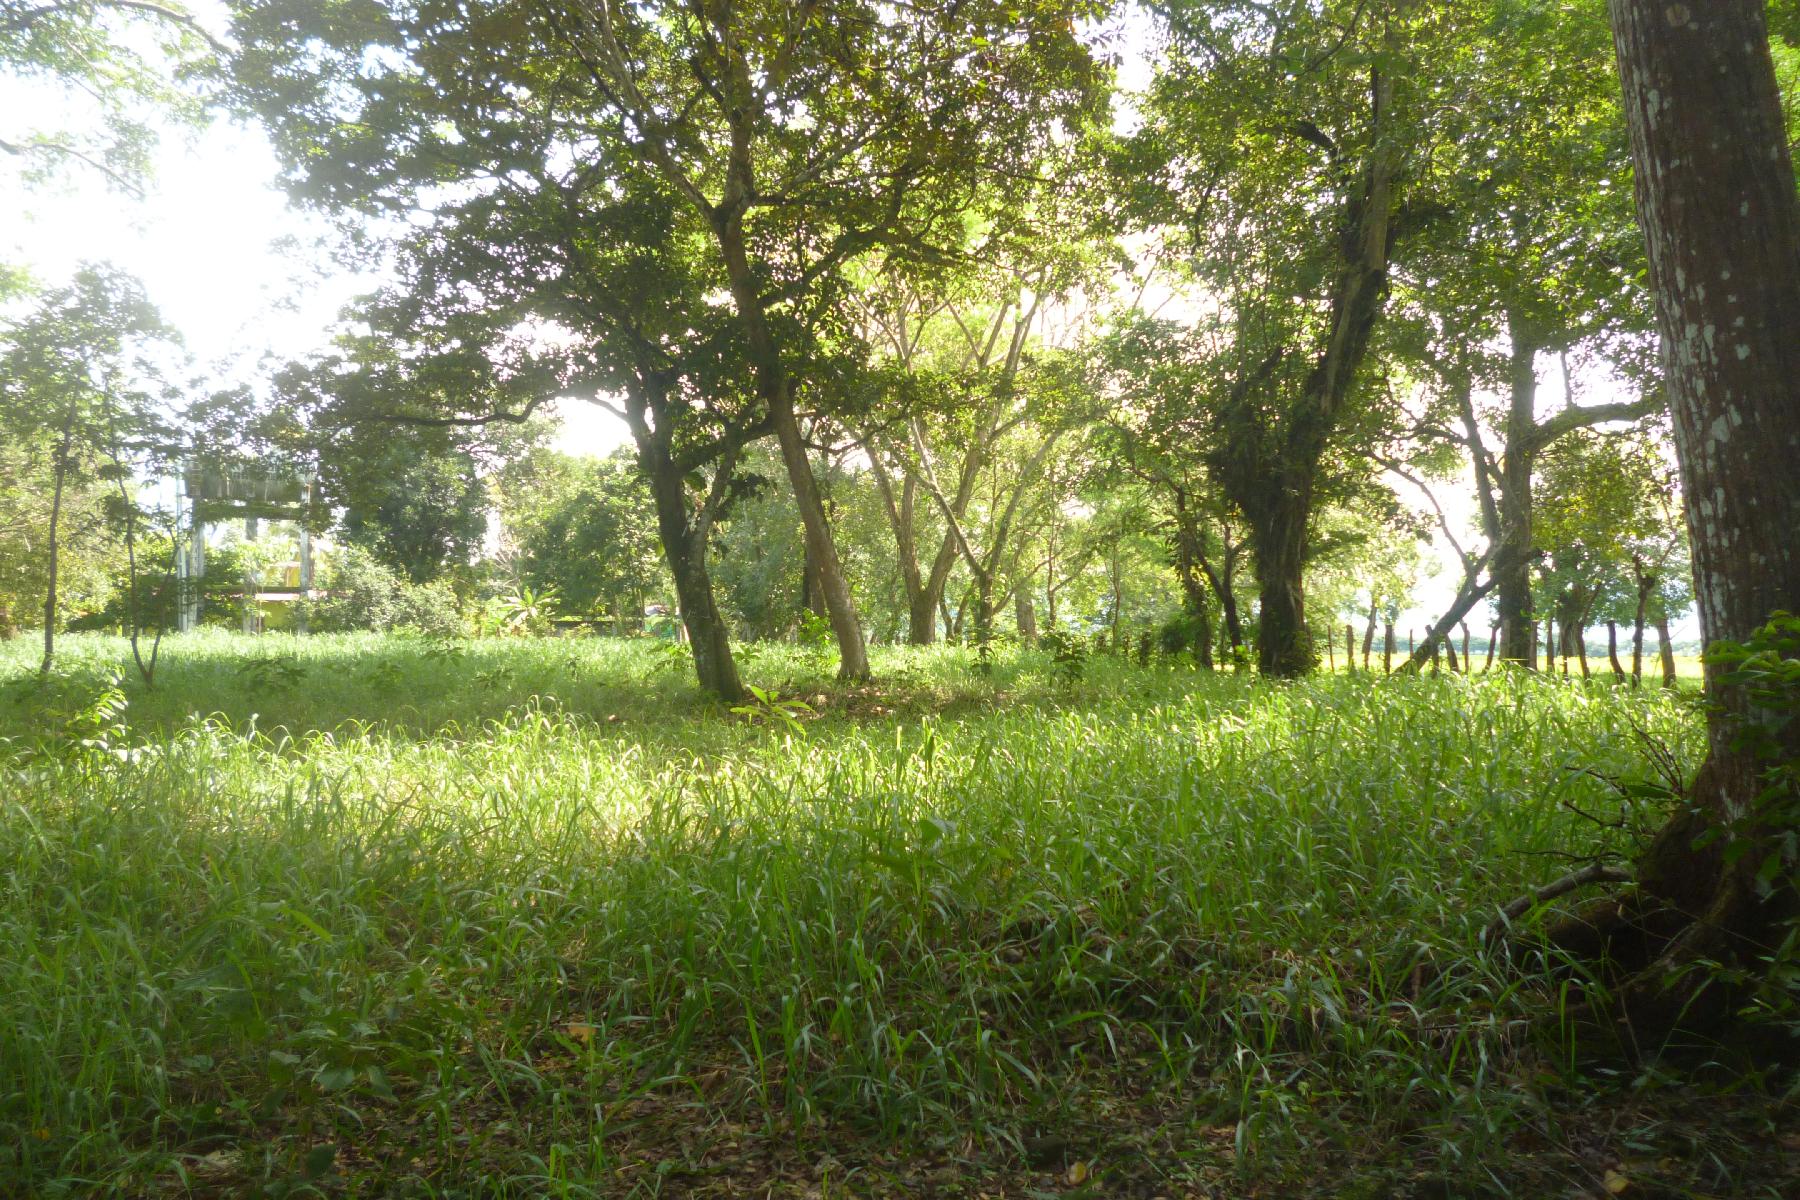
(1766, 666)
(771, 709)
(356, 592)
(587, 530)
(89, 553)
(83, 391)
(1068, 654)
(1177, 893)
(105, 64)
(74, 717)
(417, 508)
(529, 611)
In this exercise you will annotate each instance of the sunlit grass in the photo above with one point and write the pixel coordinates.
(423, 917)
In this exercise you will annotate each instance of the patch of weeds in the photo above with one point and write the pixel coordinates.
(769, 708)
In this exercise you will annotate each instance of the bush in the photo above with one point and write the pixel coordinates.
(1183, 633)
(431, 608)
(362, 594)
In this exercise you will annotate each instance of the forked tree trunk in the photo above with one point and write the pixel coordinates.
(1716, 199)
(1275, 487)
(924, 590)
(1228, 609)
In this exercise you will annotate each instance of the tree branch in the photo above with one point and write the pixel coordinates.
(1571, 418)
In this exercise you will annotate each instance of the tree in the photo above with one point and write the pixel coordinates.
(109, 59)
(1717, 201)
(1528, 245)
(1596, 501)
(538, 285)
(78, 372)
(87, 547)
(971, 381)
(768, 145)
(807, 135)
(1007, 399)
(1287, 137)
(1159, 430)
(592, 537)
(418, 507)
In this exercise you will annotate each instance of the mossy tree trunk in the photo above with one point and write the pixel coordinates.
(1717, 202)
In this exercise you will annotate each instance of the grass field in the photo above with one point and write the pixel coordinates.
(373, 916)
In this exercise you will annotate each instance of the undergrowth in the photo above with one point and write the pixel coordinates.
(531, 918)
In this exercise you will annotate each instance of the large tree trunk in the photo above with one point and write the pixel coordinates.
(922, 617)
(853, 652)
(812, 591)
(1716, 199)
(1283, 643)
(1512, 557)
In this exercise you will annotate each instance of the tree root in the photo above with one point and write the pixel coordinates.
(1657, 968)
(1595, 873)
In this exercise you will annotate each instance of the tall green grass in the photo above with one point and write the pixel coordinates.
(496, 919)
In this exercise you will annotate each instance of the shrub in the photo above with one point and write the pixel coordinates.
(362, 594)
(431, 608)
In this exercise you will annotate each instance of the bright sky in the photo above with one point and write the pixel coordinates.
(243, 275)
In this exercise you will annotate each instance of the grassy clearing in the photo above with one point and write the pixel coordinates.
(363, 916)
